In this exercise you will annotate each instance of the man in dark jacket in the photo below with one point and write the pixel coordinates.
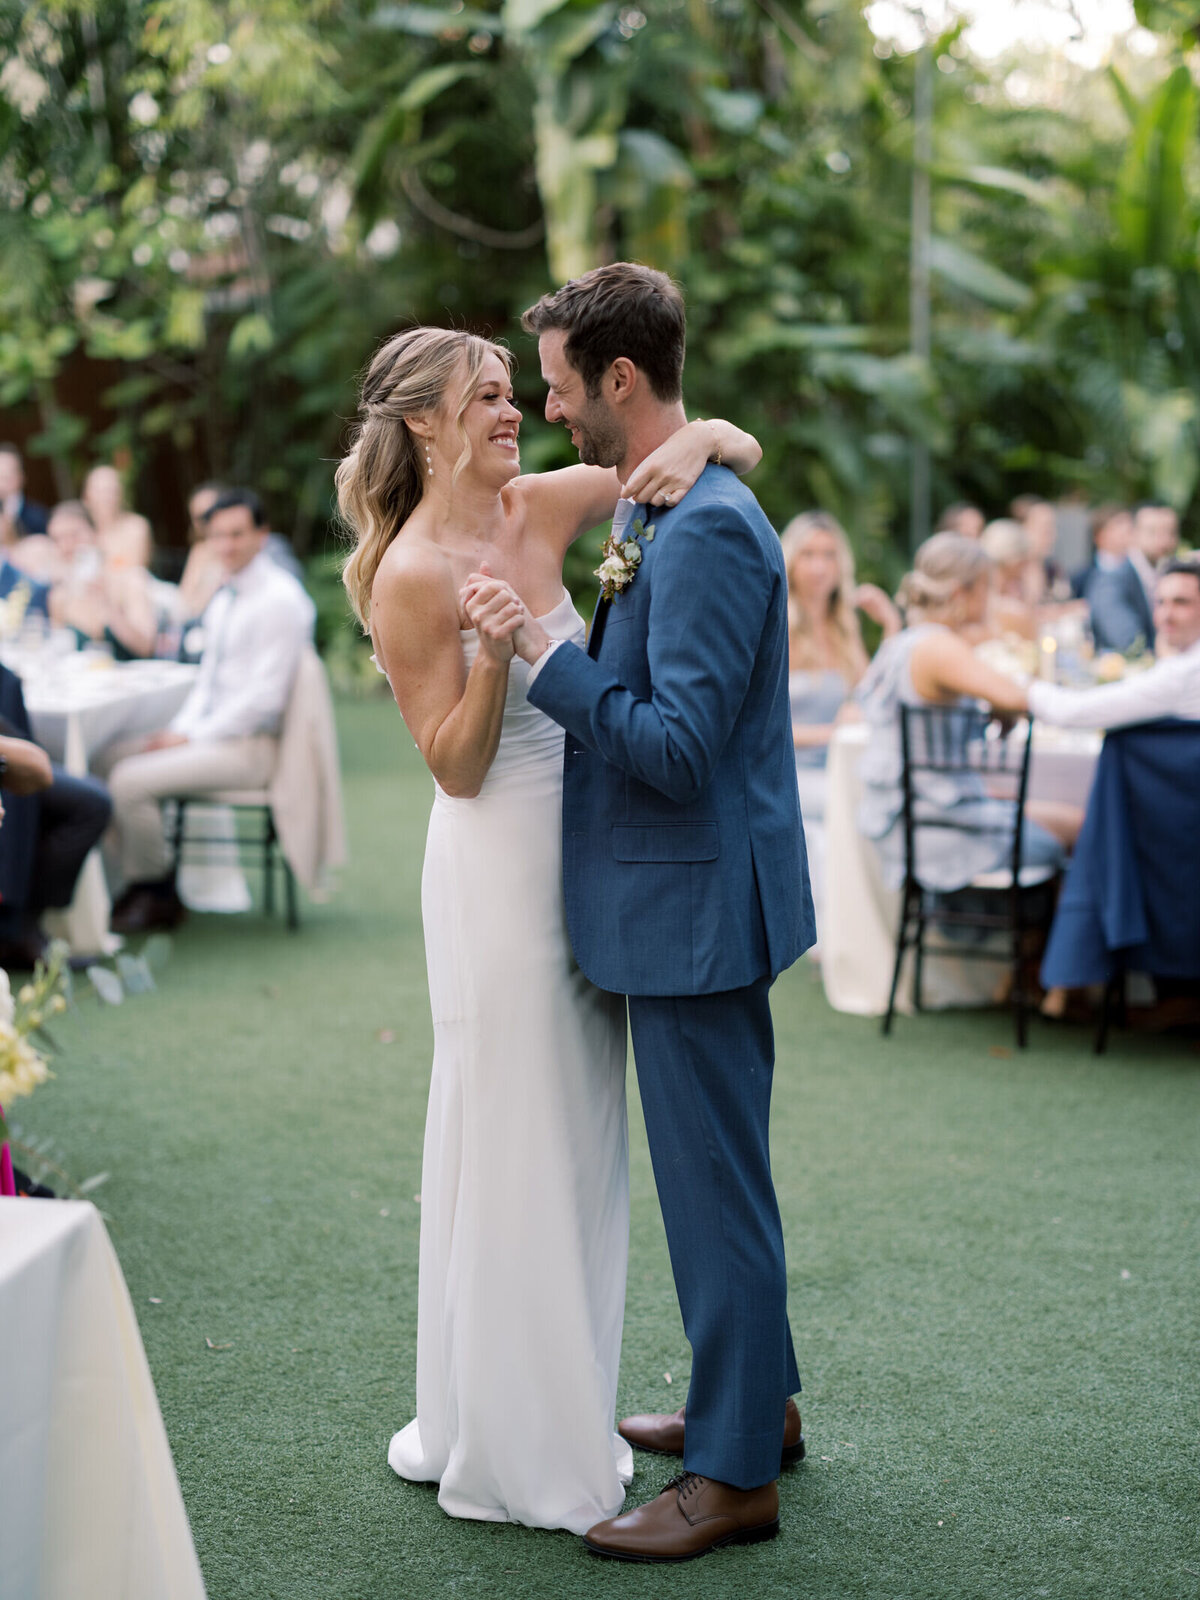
(47, 831)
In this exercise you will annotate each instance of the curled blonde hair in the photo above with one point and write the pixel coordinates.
(379, 481)
(840, 613)
(1005, 542)
(945, 568)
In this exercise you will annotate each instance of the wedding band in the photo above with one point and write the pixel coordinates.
(668, 499)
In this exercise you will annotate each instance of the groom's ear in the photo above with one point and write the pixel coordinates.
(621, 380)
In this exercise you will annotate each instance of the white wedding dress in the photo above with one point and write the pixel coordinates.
(524, 1189)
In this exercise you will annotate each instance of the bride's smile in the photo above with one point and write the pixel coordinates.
(491, 422)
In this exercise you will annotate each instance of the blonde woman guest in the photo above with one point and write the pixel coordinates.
(122, 605)
(1015, 579)
(826, 657)
(524, 1183)
(932, 663)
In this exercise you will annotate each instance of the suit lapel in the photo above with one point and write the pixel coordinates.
(599, 618)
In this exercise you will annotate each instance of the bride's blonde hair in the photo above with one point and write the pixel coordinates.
(946, 567)
(380, 480)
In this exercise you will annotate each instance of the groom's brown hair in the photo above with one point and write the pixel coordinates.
(620, 310)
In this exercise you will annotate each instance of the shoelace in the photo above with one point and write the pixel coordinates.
(686, 1482)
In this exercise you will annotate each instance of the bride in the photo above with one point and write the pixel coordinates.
(524, 1215)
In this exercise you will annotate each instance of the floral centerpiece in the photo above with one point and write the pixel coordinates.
(23, 1018)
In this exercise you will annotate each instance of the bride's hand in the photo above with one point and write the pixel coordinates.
(667, 473)
(495, 611)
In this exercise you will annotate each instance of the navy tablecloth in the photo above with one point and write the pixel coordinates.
(1132, 895)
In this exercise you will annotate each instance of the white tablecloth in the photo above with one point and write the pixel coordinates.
(76, 708)
(861, 914)
(89, 1501)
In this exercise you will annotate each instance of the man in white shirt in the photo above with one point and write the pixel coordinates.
(1170, 688)
(257, 626)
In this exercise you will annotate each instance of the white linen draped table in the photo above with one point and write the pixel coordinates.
(861, 914)
(77, 705)
(89, 1499)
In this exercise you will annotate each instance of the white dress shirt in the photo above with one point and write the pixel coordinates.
(256, 628)
(1170, 688)
(622, 517)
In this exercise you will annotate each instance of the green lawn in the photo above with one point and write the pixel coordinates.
(993, 1267)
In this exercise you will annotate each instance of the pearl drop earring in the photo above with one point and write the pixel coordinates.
(428, 459)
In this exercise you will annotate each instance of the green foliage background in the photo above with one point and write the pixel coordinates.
(211, 212)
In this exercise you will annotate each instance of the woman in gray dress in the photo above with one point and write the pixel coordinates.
(931, 663)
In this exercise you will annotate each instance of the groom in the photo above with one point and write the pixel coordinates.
(686, 888)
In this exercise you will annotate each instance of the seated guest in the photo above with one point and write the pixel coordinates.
(1120, 613)
(203, 572)
(1014, 579)
(1170, 688)
(124, 536)
(12, 579)
(18, 516)
(826, 654)
(49, 828)
(962, 517)
(1040, 522)
(225, 736)
(120, 604)
(1155, 541)
(931, 664)
(66, 554)
(1156, 531)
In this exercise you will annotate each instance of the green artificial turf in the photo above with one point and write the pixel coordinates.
(992, 1260)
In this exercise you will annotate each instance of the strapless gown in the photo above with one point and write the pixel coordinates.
(524, 1188)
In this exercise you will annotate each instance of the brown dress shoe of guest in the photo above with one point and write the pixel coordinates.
(148, 911)
(692, 1516)
(663, 1436)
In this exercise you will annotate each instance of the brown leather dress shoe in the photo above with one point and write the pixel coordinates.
(663, 1436)
(147, 911)
(692, 1516)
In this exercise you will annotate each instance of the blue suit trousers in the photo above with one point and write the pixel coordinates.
(705, 1065)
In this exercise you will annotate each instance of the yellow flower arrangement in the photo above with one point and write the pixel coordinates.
(23, 1019)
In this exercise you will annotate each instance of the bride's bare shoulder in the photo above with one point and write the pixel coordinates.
(414, 575)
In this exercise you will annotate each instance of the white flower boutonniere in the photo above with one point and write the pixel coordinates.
(622, 557)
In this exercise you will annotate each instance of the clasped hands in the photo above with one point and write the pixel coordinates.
(497, 613)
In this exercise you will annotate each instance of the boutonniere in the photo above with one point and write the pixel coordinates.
(621, 558)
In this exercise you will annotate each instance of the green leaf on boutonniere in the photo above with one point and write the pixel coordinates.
(637, 526)
(648, 533)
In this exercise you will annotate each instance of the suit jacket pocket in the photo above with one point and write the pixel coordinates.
(665, 841)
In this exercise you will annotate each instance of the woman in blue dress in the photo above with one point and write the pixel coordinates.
(827, 658)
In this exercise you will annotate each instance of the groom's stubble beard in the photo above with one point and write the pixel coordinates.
(601, 438)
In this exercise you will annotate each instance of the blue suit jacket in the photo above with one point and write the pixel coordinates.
(18, 836)
(1119, 607)
(1130, 899)
(683, 852)
(10, 577)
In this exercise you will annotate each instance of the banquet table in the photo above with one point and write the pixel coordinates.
(89, 1500)
(77, 705)
(858, 927)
